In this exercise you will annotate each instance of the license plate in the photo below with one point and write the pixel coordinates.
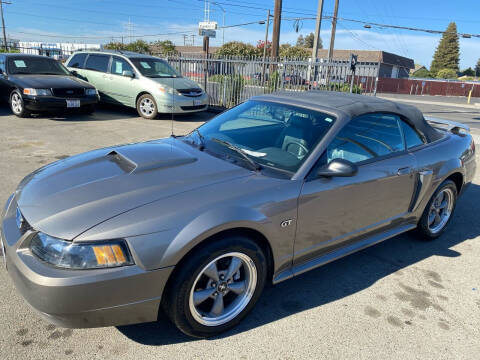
(197, 102)
(73, 103)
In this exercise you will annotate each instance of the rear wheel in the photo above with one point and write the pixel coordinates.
(216, 287)
(17, 105)
(147, 107)
(439, 211)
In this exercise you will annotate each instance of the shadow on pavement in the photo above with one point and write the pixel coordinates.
(338, 279)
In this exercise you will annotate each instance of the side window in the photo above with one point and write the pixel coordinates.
(367, 137)
(2, 64)
(77, 61)
(412, 137)
(97, 63)
(119, 65)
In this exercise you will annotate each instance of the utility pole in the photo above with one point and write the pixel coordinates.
(277, 19)
(3, 23)
(316, 40)
(265, 47)
(334, 28)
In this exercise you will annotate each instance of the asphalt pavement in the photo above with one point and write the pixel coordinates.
(403, 298)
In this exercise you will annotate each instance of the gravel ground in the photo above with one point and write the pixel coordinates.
(400, 299)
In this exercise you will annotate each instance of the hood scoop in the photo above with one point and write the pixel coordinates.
(146, 157)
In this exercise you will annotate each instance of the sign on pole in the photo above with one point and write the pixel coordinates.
(207, 25)
(207, 33)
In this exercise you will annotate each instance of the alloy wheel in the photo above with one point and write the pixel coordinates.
(147, 107)
(440, 210)
(16, 102)
(223, 289)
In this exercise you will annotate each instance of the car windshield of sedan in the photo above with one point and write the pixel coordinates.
(265, 133)
(35, 66)
(155, 68)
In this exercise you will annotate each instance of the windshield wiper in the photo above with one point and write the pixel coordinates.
(256, 166)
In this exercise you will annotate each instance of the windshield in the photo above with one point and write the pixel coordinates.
(35, 66)
(154, 68)
(271, 134)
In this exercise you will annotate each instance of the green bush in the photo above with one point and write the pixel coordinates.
(446, 74)
(231, 87)
(2, 50)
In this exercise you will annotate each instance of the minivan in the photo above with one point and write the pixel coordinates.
(144, 82)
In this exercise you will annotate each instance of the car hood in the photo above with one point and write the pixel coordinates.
(48, 81)
(70, 196)
(176, 83)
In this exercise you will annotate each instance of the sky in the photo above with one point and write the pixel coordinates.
(100, 21)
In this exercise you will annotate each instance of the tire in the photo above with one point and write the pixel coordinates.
(196, 315)
(147, 107)
(17, 105)
(429, 230)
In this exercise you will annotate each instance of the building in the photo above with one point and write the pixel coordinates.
(391, 65)
(417, 68)
(55, 50)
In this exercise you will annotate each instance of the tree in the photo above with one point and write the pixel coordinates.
(163, 47)
(289, 51)
(237, 48)
(309, 39)
(477, 68)
(447, 54)
(446, 74)
(468, 72)
(139, 46)
(422, 73)
(300, 40)
(114, 46)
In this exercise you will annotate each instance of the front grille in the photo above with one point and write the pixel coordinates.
(69, 93)
(196, 107)
(193, 92)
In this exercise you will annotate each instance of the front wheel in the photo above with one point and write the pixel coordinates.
(439, 211)
(147, 107)
(216, 287)
(17, 105)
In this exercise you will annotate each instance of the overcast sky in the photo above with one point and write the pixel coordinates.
(97, 21)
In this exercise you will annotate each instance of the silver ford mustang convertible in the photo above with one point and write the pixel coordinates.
(197, 225)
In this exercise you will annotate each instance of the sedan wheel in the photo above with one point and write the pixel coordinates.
(439, 211)
(215, 287)
(17, 105)
(223, 289)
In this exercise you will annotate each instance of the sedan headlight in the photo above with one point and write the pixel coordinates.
(90, 92)
(37, 92)
(65, 254)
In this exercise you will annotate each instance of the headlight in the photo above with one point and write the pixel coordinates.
(90, 92)
(66, 254)
(167, 90)
(37, 92)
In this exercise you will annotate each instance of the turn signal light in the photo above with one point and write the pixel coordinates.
(109, 255)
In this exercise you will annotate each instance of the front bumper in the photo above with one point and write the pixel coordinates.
(52, 103)
(179, 104)
(80, 298)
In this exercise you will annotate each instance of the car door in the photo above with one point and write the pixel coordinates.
(4, 85)
(335, 211)
(95, 72)
(122, 88)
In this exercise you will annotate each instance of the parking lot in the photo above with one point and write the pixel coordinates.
(403, 298)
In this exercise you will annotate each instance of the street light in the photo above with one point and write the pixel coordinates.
(223, 21)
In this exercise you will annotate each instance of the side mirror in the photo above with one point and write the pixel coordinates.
(73, 72)
(338, 168)
(128, 73)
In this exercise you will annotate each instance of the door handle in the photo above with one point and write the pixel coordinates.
(404, 171)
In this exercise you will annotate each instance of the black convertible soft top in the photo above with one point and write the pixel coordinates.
(354, 105)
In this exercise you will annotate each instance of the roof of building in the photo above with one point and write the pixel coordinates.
(370, 56)
(416, 68)
(353, 105)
